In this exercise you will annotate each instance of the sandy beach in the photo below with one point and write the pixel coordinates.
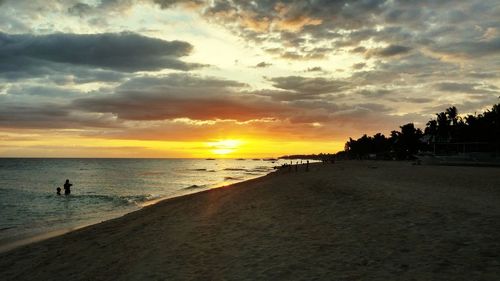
(346, 221)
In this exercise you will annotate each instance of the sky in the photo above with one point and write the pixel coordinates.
(234, 78)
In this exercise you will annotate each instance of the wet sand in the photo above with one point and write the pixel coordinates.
(347, 221)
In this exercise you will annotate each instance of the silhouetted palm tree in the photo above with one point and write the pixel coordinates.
(482, 130)
(443, 127)
(452, 114)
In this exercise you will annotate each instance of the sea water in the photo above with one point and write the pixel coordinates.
(103, 188)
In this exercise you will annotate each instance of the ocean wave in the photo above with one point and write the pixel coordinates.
(151, 173)
(140, 199)
(253, 174)
(261, 168)
(233, 178)
(7, 228)
(114, 199)
(194, 186)
(234, 169)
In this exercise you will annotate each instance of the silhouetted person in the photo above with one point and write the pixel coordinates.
(296, 166)
(58, 191)
(307, 166)
(67, 187)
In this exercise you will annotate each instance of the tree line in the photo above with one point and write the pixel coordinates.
(447, 133)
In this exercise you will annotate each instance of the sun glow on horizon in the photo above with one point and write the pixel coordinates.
(224, 146)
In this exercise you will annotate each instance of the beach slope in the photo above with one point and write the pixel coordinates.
(346, 221)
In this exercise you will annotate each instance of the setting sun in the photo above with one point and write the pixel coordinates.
(224, 147)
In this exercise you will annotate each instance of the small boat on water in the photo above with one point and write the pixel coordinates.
(210, 159)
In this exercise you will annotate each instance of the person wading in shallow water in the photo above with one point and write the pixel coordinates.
(67, 187)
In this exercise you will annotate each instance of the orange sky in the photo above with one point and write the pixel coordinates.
(153, 78)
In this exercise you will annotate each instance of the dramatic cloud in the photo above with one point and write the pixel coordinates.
(180, 96)
(301, 70)
(49, 116)
(127, 52)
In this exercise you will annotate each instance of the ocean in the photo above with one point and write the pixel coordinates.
(103, 188)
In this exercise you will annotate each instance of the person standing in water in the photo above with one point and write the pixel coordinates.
(67, 187)
(58, 191)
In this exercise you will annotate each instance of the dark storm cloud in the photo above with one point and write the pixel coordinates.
(127, 52)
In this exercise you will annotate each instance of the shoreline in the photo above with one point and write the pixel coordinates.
(55, 232)
(363, 220)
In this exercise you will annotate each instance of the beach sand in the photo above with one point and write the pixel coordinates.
(347, 221)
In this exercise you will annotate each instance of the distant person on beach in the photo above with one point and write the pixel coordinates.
(307, 166)
(67, 187)
(58, 191)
